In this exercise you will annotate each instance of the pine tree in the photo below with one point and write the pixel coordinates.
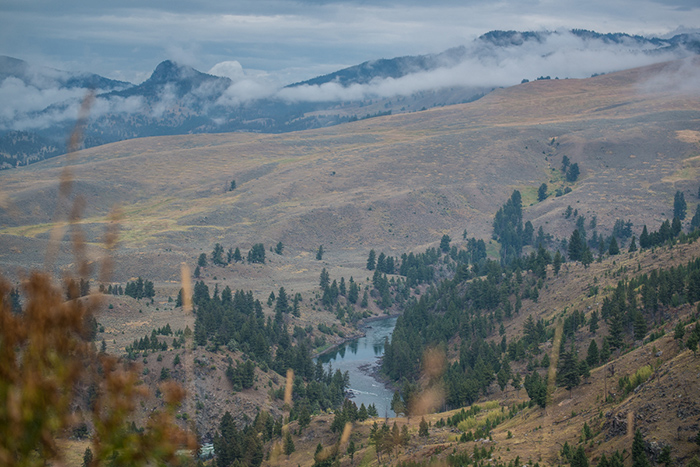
(445, 243)
(423, 428)
(676, 226)
(576, 246)
(592, 357)
(237, 257)
(365, 300)
(542, 192)
(605, 351)
(324, 280)
(593, 322)
(87, 457)
(568, 372)
(639, 458)
(615, 329)
(644, 239)
(695, 221)
(217, 255)
(371, 260)
(289, 444)
(573, 173)
(282, 301)
(586, 256)
(319, 253)
(295, 305)
(353, 292)
(633, 245)
(351, 450)
(579, 458)
(679, 205)
(613, 249)
(556, 263)
(640, 326)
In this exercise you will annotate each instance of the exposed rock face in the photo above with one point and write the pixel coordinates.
(615, 425)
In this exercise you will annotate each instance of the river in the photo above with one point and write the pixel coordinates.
(359, 358)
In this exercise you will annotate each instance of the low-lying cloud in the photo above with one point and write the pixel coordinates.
(559, 55)
(480, 64)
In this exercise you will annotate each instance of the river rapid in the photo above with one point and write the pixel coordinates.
(360, 358)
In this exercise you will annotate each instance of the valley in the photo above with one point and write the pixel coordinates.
(399, 185)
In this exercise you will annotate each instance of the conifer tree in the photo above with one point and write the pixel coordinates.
(324, 280)
(289, 444)
(679, 205)
(556, 263)
(579, 458)
(371, 260)
(423, 428)
(592, 357)
(613, 249)
(695, 221)
(282, 301)
(644, 239)
(445, 243)
(639, 458)
(87, 457)
(576, 246)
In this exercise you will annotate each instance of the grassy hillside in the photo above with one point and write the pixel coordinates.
(663, 408)
(396, 182)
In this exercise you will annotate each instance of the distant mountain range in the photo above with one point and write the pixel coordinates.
(178, 99)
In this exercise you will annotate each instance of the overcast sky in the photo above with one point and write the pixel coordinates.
(286, 40)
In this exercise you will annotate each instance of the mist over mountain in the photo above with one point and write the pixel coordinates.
(177, 99)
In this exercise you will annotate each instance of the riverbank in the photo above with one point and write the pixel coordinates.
(360, 358)
(362, 325)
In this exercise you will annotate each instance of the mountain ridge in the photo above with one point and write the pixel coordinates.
(177, 99)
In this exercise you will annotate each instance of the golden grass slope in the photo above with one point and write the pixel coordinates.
(395, 182)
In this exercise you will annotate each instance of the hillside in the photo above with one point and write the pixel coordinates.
(664, 408)
(395, 183)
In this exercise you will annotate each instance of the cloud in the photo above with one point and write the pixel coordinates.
(560, 54)
(680, 78)
(29, 107)
(19, 98)
(230, 69)
(244, 91)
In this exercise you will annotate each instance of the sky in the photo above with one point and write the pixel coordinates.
(285, 41)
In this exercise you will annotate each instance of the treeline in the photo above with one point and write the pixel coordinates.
(474, 309)
(220, 257)
(236, 320)
(153, 343)
(634, 306)
(244, 447)
(139, 289)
